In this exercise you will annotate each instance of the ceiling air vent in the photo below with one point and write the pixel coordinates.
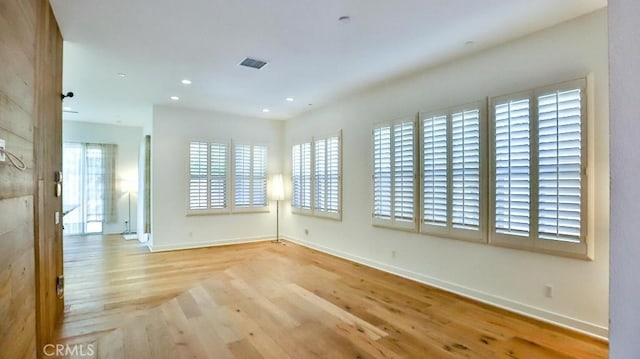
(253, 63)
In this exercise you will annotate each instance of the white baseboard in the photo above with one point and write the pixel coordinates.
(218, 242)
(574, 324)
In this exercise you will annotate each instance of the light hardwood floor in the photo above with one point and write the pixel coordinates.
(266, 300)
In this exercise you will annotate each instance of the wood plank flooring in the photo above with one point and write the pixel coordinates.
(266, 300)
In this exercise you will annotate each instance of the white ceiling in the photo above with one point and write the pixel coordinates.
(312, 56)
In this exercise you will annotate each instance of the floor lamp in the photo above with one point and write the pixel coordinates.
(126, 186)
(277, 194)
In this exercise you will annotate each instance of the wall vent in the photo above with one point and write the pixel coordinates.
(253, 63)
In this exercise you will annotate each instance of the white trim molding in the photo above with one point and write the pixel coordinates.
(560, 320)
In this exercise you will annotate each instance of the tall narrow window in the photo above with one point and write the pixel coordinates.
(89, 187)
(451, 173)
(208, 176)
(435, 170)
(250, 177)
(512, 166)
(465, 171)
(301, 176)
(394, 175)
(560, 165)
(327, 176)
(539, 160)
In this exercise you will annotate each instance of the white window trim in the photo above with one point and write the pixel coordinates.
(449, 231)
(392, 223)
(252, 208)
(532, 242)
(208, 211)
(313, 211)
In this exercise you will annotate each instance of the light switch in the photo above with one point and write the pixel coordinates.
(2, 155)
(57, 216)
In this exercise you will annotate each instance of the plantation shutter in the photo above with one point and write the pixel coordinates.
(320, 193)
(382, 172)
(327, 175)
(198, 175)
(512, 167)
(404, 178)
(465, 163)
(259, 177)
(250, 176)
(218, 181)
(560, 165)
(394, 175)
(333, 174)
(242, 176)
(435, 183)
(301, 176)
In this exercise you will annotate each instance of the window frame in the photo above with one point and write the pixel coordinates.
(209, 210)
(392, 222)
(533, 242)
(313, 210)
(449, 231)
(251, 208)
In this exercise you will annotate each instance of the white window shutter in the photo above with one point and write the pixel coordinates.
(333, 174)
(434, 165)
(242, 176)
(219, 153)
(320, 171)
(512, 167)
(301, 176)
(560, 165)
(382, 172)
(404, 178)
(465, 172)
(326, 176)
(259, 177)
(198, 175)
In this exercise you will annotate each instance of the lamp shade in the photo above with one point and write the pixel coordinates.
(125, 185)
(277, 188)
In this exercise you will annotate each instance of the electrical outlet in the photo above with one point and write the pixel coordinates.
(306, 231)
(2, 155)
(393, 254)
(548, 291)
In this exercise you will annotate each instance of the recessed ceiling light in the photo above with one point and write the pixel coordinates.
(265, 110)
(186, 82)
(122, 74)
(290, 99)
(175, 98)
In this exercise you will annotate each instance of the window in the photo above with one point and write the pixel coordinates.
(326, 182)
(451, 172)
(89, 187)
(250, 177)
(316, 177)
(539, 169)
(394, 175)
(301, 176)
(210, 185)
(208, 176)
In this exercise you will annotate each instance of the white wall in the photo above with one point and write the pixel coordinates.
(172, 130)
(127, 139)
(510, 278)
(624, 57)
